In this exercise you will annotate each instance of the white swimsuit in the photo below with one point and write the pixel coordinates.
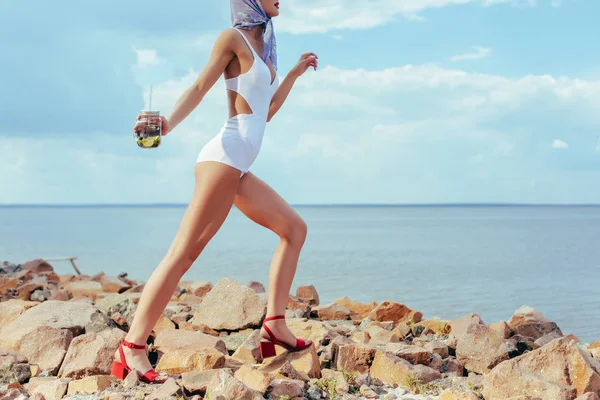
(238, 142)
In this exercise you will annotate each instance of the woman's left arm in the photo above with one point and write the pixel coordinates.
(306, 61)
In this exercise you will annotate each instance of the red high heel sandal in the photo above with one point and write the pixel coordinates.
(267, 347)
(120, 370)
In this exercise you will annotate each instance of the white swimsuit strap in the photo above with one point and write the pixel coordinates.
(247, 42)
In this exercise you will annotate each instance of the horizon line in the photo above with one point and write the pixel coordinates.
(178, 205)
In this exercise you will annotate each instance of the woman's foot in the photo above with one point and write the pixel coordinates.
(130, 357)
(282, 333)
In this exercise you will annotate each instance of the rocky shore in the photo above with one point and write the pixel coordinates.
(58, 334)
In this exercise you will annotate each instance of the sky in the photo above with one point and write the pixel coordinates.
(414, 101)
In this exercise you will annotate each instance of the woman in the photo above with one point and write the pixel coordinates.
(223, 179)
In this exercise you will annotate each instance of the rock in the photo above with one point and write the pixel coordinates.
(199, 288)
(588, 396)
(11, 309)
(560, 370)
(50, 388)
(317, 331)
(368, 393)
(502, 328)
(331, 312)
(7, 268)
(59, 294)
(480, 349)
(175, 339)
(13, 394)
(341, 385)
(285, 388)
(438, 347)
(353, 357)
(40, 295)
(117, 303)
(46, 347)
(187, 298)
(91, 354)
(235, 340)
(308, 294)
(224, 385)
(392, 370)
(451, 367)
(38, 267)
(437, 325)
(392, 311)
(401, 330)
(168, 389)
(111, 284)
(253, 378)
(283, 369)
(90, 384)
(163, 324)
(13, 367)
(459, 326)
(185, 360)
(79, 289)
(547, 338)
(230, 306)
(7, 284)
(131, 380)
(35, 370)
(196, 382)
(379, 335)
(453, 395)
(180, 318)
(411, 353)
(526, 315)
(249, 351)
(305, 361)
(529, 322)
(256, 286)
(78, 317)
(182, 351)
(363, 310)
(297, 304)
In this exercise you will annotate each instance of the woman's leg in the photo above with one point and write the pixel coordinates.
(259, 202)
(214, 192)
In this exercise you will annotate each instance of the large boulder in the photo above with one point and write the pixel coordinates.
(11, 309)
(78, 317)
(91, 354)
(46, 347)
(481, 348)
(392, 311)
(559, 370)
(230, 306)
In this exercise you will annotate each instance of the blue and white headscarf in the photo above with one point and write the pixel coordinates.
(246, 14)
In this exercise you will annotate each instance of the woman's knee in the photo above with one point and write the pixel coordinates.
(295, 231)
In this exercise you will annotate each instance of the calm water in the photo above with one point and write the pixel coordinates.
(443, 261)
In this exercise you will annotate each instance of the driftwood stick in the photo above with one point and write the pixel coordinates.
(72, 259)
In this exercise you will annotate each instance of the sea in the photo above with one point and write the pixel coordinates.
(446, 261)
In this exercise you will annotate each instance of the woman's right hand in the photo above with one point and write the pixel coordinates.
(165, 125)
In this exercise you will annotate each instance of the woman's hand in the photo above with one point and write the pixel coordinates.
(306, 61)
(140, 126)
(166, 126)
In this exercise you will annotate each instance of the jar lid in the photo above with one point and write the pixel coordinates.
(149, 112)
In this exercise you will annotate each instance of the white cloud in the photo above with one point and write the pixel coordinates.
(416, 133)
(480, 53)
(309, 16)
(147, 57)
(559, 144)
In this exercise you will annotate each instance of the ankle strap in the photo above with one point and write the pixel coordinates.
(274, 317)
(132, 345)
